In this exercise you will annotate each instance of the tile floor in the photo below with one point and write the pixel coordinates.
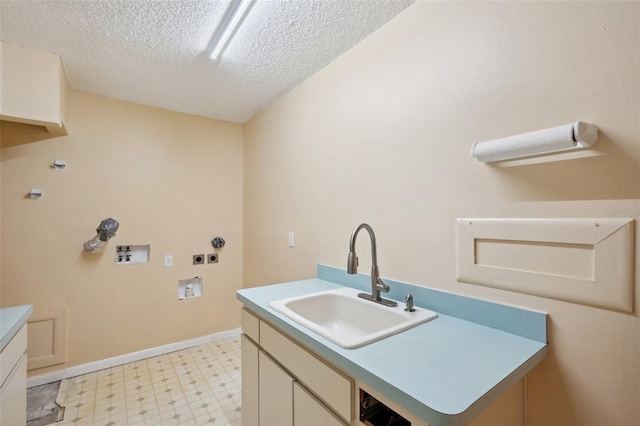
(195, 386)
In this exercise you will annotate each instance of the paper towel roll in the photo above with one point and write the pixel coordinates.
(555, 139)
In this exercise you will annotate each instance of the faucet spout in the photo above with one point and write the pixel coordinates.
(377, 285)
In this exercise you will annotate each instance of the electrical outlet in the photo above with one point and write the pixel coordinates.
(212, 258)
(198, 259)
(168, 261)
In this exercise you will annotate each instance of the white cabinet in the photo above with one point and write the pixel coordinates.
(275, 394)
(34, 87)
(308, 411)
(13, 396)
(249, 358)
(330, 385)
(284, 385)
(13, 379)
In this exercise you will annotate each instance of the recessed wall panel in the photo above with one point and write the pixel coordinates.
(47, 331)
(585, 261)
(562, 259)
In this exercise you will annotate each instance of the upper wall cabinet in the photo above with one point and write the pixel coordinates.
(33, 89)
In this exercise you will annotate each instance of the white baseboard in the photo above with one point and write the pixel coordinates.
(90, 367)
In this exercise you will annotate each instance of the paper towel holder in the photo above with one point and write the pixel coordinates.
(569, 137)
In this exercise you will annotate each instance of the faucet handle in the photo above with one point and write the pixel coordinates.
(382, 286)
(409, 303)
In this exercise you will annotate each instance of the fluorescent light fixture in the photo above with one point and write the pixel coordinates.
(238, 9)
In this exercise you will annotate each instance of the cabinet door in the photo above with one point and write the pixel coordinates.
(334, 388)
(308, 411)
(13, 396)
(249, 360)
(275, 393)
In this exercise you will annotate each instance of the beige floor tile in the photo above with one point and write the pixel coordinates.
(222, 421)
(233, 415)
(138, 418)
(101, 418)
(195, 386)
(166, 408)
(199, 412)
(163, 401)
(133, 410)
(150, 412)
(216, 412)
(85, 421)
(118, 415)
(70, 413)
(180, 401)
(186, 416)
(203, 419)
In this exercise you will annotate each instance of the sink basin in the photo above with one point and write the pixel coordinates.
(347, 320)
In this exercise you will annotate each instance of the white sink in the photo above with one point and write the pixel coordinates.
(347, 320)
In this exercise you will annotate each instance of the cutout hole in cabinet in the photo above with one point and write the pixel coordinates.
(375, 413)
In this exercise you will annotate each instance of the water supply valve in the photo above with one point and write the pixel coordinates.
(105, 231)
(217, 242)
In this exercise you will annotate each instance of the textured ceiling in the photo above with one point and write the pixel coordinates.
(152, 52)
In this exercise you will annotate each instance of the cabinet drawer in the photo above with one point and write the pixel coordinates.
(12, 352)
(250, 325)
(329, 385)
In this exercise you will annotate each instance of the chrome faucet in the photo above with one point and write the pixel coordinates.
(377, 285)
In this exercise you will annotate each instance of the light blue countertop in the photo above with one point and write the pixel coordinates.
(11, 320)
(445, 371)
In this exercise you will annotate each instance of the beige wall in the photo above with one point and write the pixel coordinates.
(173, 181)
(382, 135)
(1, 91)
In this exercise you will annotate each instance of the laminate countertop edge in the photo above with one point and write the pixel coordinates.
(11, 321)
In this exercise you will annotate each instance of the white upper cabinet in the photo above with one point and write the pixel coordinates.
(33, 89)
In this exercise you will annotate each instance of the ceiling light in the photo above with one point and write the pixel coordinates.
(238, 9)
